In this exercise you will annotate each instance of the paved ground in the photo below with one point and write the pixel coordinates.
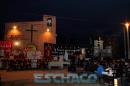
(24, 75)
(30, 83)
(25, 78)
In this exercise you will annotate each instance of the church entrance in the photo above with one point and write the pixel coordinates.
(32, 47)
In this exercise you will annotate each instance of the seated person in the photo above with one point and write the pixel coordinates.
(108, 75)
(99, 69)
(108, 71)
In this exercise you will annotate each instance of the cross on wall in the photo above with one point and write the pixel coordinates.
(31, 30)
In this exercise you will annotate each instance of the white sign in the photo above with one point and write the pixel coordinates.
(61, 78)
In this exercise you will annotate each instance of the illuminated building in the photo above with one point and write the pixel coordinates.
(36, 33)
(100, 50)
(98, 47)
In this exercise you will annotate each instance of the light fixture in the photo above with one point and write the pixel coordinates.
(128, 45)
(16, 43)
(14, 27)
(14, 31)
(48, 30)
(127, 25)
(115, 82)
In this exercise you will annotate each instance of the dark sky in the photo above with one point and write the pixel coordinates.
(76, 19)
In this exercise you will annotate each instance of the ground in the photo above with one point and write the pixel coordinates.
(25, 78)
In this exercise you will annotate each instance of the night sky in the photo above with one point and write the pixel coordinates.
(76, 19)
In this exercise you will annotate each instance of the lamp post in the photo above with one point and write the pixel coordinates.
(125, 46)
(128, 50)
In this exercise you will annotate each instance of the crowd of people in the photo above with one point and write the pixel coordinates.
(20, 53)
(20, 59)
(105, 68)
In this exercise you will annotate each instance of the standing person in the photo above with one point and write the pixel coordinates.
(21, 55)
(2, 53)
(72, 67)
(81, 60)
(38, 57)
(66, 56)
(31, 58)
(61, 58)
(1, 56)
(38, 54)
(30, 54)
(16, 53)
(0, 80)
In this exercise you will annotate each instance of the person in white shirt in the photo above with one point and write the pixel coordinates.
(108, 71)
(66, 56)
(30, 54)
(38, 54)
(61, 58)
(55, 58)
(15, 53)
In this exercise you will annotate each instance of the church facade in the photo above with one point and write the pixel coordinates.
(32, 33)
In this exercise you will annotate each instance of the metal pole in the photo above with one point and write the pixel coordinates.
(128, 43)
(125, 43)
(31, 33)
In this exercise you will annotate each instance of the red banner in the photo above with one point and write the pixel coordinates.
(48, 51)
(6, 44)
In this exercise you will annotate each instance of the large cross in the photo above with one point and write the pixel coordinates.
(31, 31)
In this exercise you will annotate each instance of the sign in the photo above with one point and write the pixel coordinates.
(48, 47)
(6, 44)
(61, 78)
(15, 36)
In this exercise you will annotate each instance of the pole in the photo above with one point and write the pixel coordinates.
(31, 33)
(128, 42)
(125, 43)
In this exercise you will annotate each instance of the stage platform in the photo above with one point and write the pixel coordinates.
(25, 78)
